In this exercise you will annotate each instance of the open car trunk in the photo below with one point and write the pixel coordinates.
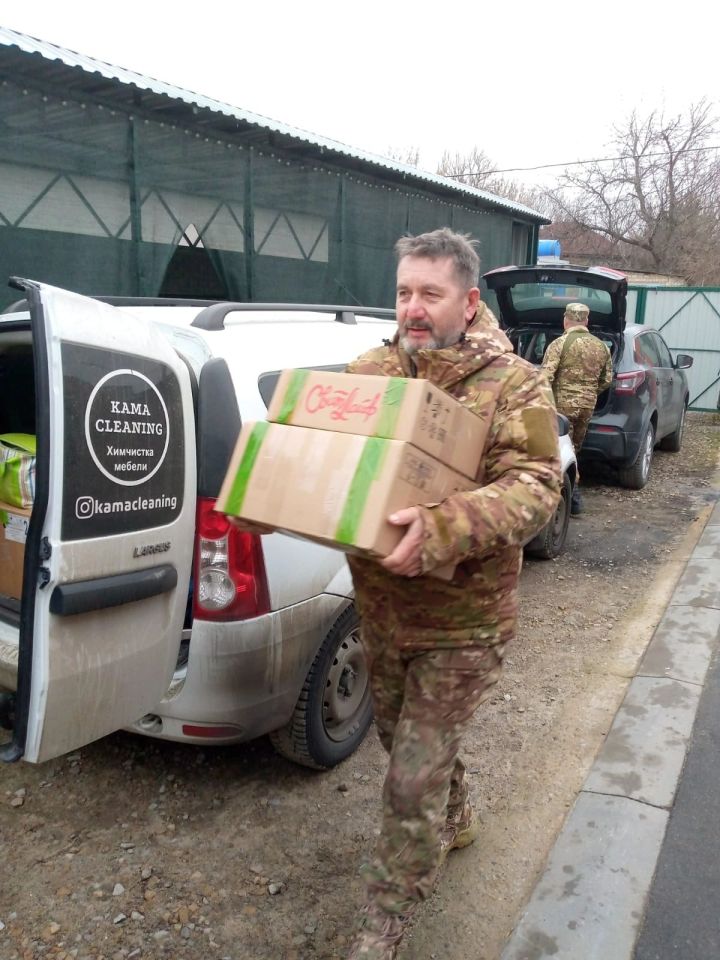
(531, 344)
(532, 300)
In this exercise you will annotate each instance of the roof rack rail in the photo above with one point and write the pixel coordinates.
(20, 305)
(153, 301)
(213, 317)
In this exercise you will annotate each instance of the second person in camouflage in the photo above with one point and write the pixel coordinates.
(435, 647)
(579, 367)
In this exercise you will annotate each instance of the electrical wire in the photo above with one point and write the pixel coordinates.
(571, 163)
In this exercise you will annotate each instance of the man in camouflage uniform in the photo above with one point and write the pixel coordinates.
(435, 647)
(579, 367)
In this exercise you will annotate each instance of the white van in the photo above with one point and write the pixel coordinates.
(141, 607)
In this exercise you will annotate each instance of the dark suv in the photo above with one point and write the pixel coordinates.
(645, 405)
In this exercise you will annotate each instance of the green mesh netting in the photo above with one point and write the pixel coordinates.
(101, 203)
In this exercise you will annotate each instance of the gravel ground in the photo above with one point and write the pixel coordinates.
(136, 848)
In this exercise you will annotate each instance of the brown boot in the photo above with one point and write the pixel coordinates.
(461, 829)
(378, 934)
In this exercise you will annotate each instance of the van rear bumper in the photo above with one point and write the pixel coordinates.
(242, 679)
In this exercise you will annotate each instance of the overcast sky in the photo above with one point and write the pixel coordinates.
(528, 83)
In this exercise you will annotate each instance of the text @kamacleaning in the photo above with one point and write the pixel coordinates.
(86, 507)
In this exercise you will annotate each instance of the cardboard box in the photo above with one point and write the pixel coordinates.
(12, 548)
(336, 488)
(397, 408)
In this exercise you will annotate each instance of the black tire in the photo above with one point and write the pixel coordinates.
(549, 543)
(334, 709)
(673, 441)
(636, 475)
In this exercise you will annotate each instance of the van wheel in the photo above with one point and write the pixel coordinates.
(334, 710)
(636, 475)
(549, 542)
(673, 442)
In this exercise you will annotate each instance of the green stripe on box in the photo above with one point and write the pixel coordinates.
(292, 393)
(390, 407)
(366, 471)
(235, 499)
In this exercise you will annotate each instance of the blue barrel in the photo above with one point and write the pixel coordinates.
(549, 248)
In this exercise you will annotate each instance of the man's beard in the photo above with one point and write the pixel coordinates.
(433, 343)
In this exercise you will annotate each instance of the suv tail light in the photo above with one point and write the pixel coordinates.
(229, 576)
(629, 382)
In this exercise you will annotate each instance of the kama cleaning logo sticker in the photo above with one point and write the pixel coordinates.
(127, 427)
(124, 442)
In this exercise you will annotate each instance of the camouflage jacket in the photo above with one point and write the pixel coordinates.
(482, 531)
(585, 370)
(483, 317)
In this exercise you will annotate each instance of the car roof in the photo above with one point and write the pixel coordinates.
(253, 339)
(257, 343)
(292, 336)
(633, 329)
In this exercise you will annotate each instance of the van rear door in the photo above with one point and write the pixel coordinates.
(109, 547)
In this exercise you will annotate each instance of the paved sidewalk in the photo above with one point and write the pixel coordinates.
(599, 889)
(682, 919)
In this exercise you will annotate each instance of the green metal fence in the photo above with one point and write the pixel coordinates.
(689, 320)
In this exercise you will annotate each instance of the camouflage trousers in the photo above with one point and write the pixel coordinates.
(423, 701)
(579, 417)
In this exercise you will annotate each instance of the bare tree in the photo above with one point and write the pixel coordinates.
(659, 195)
(407, 155)
(476, 169)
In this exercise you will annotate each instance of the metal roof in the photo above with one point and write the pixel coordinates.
(245, 119)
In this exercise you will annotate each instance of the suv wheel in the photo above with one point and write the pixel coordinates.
(636, 475)
(549, 542)
(334, 709)
(673, 442)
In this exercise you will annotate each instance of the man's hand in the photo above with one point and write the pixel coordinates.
(406, 558)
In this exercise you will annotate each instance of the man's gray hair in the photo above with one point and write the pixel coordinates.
(438, 244)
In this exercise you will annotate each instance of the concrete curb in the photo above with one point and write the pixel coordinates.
(589, 902)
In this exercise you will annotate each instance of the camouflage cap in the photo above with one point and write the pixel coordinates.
(577, 311)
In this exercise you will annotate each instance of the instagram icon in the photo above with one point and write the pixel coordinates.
(84, 508)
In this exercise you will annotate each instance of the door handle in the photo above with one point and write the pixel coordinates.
(83, 596)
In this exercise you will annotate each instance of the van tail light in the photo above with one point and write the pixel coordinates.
(629, 382)
(229, 578)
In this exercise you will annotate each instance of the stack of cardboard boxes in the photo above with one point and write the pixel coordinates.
(339, 453)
